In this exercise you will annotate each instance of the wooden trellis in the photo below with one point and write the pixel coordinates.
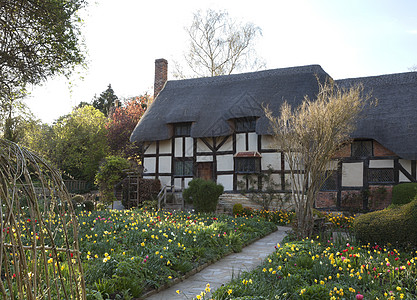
(39, 251)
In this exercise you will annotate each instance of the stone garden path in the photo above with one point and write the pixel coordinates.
(225, 269)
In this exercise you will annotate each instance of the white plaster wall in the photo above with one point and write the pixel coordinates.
(289, 182)
(149, 164)
(225, 163)
(226, 181)
(240, 142)
(165, 180)
(186, 182)
(276, 179)
(352, 174)
(201, 147)
(151, 149)
(403, 178)
(189, 147)
(204, 158)
(177, 183)
(268, 142)
(165, 147)
(178, 147)
(253, 141)
(381, 163)
(273, 159)
(227, 146)
(332, 165)
(406, 164)
(148, 177)
(165, 164)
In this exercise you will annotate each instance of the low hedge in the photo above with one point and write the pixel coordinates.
(396, 226)
(404, 193)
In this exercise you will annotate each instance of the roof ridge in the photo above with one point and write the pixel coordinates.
(395, 78)
(243, 76)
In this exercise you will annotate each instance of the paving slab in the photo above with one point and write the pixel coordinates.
(225, 269)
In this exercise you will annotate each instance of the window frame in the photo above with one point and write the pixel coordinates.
(371, 170)
(245, 124)
(182, 129)
(362, 146)
(334, 177)
(183, 162)
(255, 167)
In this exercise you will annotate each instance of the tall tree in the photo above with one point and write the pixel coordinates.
(220, 45)
(122, 121)
(80, 142)
(38, 39)
(310, 136)
(105, 101)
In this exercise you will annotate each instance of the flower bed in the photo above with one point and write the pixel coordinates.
(137, 251)
(309, 269)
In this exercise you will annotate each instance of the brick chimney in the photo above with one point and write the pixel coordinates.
(161, 75)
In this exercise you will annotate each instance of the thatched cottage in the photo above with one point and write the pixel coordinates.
(215, 128)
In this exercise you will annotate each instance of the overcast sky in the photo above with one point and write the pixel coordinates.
(124, 37)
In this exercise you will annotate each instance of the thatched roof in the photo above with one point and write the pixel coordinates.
(210, 103)
(393, 121)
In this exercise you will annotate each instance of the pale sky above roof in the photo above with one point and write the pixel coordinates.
(352, 38)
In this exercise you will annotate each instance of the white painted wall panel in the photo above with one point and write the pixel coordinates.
(201, 147)
(149, 164)
(381, 163)
(165, 164)
(148, 177)
(225, 163)
(406, 164)
(352, 174)
(403, 178)
(226, 181)
(165, 147)
(178, 147)
(267, 142)
(253, 141)
(204, 158)
(177, 183)
(189, 147)
(227, 146)
(272, 159)
(240, 142)
(151, 149)
(165, 180)
(186, 182)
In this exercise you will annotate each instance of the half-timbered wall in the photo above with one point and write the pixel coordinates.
(365, 177)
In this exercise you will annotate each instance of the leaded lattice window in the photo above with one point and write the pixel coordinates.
(362, 148)
(330, 183)
(381, 175)
(183, 167)
(247, 165)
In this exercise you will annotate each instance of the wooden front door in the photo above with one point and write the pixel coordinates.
(205, 170)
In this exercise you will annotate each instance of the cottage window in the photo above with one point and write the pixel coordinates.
(247, 165)
(182, 129)
(362, 148)
(381, 175)
(183, 167)
(330, 182)
(245, 124)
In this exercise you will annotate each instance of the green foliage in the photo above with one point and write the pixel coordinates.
(105, 101)
(80, 143)
(403, 193)
(389, 226)
(109, 174)
(237, 209)
(39, 39)
(203, 194)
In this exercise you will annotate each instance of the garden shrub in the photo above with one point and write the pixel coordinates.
(109, 174)
(404, 193)
(237, 209)
(203, 194)
(88, 205)
(392, 225)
